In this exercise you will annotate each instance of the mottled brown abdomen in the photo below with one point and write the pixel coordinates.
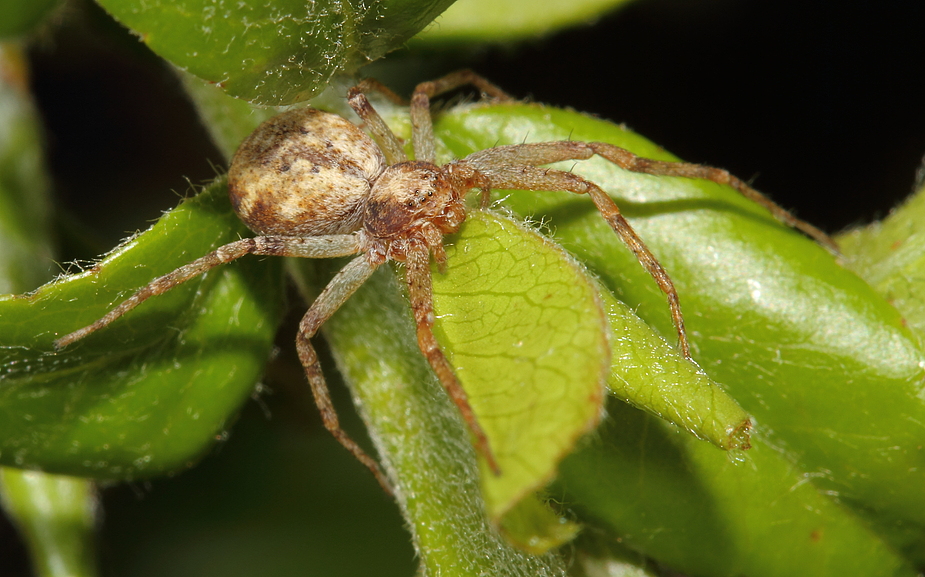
(304, 173)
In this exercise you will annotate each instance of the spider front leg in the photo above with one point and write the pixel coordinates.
(514, 166)
(308, 247)
(502, 175)
(629, 161)
(540, 153)
(420, 293)
(341, 287)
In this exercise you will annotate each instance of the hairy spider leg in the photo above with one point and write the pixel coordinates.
(388, 142)
(535, 154)
(419, 281)
(421, 123)
(307, 247)
(515, 167)
(417, 263)
(338, 290)
(629, 161)
(335, 294)
(500, 165)
(526, 177)
(372, 85)
(420, 293)
(422, 129)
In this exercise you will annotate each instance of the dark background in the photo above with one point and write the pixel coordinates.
(817, 102)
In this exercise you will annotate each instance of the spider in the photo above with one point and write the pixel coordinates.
(311, 184)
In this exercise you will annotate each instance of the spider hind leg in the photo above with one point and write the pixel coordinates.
(335, 294)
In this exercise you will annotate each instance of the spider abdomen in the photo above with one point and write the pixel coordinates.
(304, 173)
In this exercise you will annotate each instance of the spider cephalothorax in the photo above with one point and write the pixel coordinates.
(311, 184)
(412, 201)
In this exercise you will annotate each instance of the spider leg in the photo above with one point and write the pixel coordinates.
(341, 287)
(422, 130)
(389, 143)
(368, 85)
(417, 275)
(629, 161)
(540, 153)
(533, 178)
(309, 247)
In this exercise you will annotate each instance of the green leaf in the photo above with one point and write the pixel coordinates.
(469, 21)
(523, 326)
(57, 516)
(417, 429)
(137, 399)
(19, 18)
(822, 362)
(890, 255)
(420, 437)
(699, 512)
(652, 375)
(277, 52)
(532, 526)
